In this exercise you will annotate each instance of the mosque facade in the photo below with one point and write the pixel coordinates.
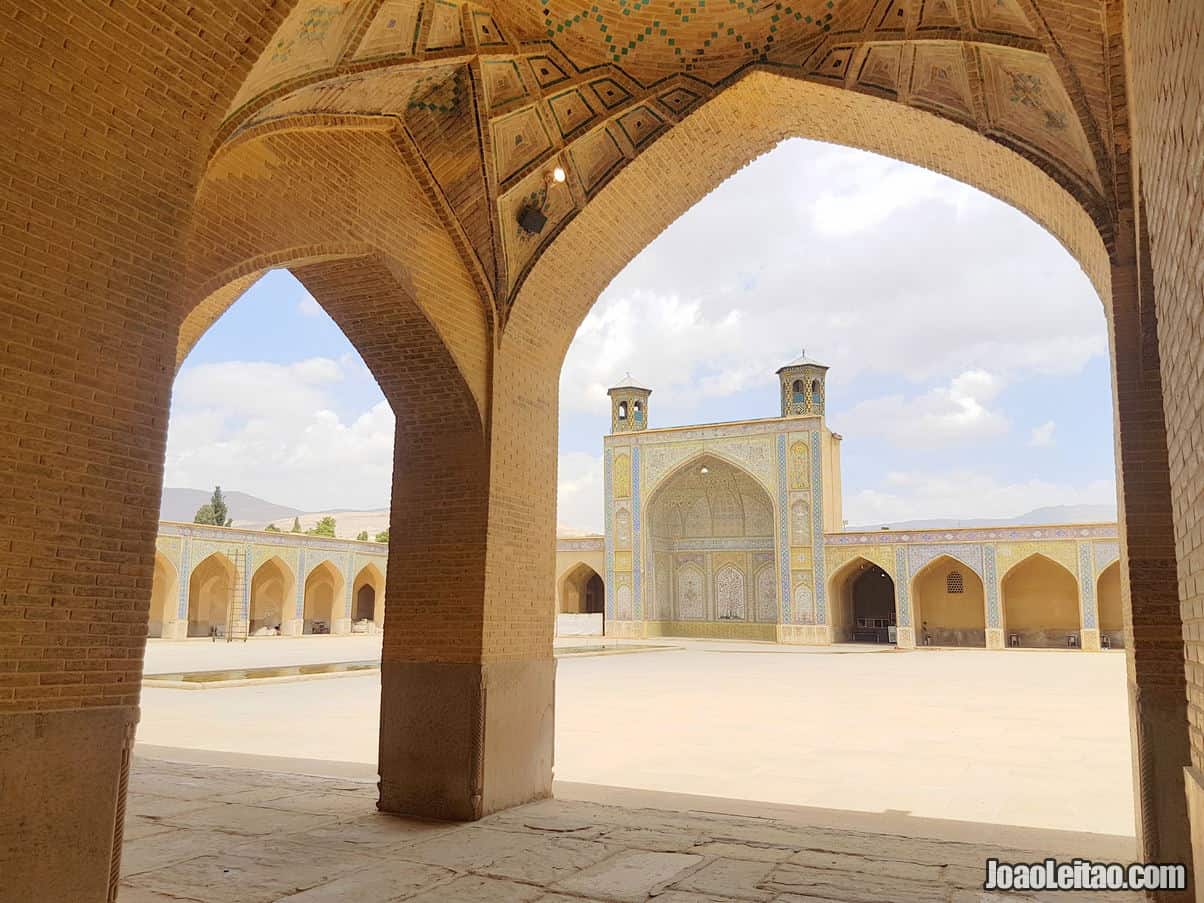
(734, 530)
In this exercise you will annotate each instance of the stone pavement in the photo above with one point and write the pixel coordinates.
(222, 835)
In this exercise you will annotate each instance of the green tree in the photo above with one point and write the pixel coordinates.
(214, 512)
(324, 527)
(362, 536)
(296, 525)
(271, 528)
(383, 535)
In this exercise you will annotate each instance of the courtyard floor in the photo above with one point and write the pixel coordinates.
(936, 742)
(226, 835)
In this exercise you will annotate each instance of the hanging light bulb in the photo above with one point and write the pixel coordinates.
(558, 174)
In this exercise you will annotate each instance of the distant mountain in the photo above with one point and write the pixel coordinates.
(181, 505)
(347, 524)
(252, 513)
(1054, 514)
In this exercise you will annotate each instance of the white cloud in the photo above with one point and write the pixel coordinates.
(874, 266)
(1042, 436)
(276, 431)
(965, 495)
(579, 493)
(957, 413)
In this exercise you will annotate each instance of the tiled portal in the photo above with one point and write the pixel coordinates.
(222, 835)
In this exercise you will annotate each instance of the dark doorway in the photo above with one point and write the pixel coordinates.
(594, 596)
(873, 606)
(365, 603)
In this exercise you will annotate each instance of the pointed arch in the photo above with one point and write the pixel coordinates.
(323, 604)
(696, 459)
(210, 589)
(368, 597)
(1040, 603)
(273, 597)
(1110, 605)
(581, 590)
(944, 618)
(860, 591)
(165, 595)
(1031, 555)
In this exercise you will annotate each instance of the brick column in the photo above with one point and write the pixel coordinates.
(1149, 585)
(1165, 44)
(467, 676)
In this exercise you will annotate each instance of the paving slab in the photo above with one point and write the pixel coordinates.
(631, 876)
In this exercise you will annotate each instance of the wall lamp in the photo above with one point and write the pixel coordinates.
(531, 216)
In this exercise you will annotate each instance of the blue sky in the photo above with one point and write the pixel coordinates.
(968, 352)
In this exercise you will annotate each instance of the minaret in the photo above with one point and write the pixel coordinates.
(803, 391)
(628, 407)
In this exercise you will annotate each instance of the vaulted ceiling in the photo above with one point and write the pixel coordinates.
(489, 98)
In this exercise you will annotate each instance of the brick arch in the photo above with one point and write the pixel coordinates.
(682, 166)
(297, 197)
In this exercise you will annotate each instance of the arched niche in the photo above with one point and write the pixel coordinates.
(1040, 604)
(1110, 606)
(948, 604)
(368, 599)
(710, 516)
(861, 603)
(211, 596)
(581, 590)
(165, 596)
(323, 599)
(273, 598)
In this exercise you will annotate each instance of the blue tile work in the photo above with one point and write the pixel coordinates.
(1105, 554)
(608, 590)
(637, 600)
(750, 544)
(817, 531)
(783, 531)
(299, 611)
(1087, 586)
(902, 578)
(967, 553)
(991, 584)
(185, 578)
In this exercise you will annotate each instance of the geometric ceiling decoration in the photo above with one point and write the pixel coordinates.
(880, 68)
(938, 14)
(503, 82)
(939, 81)
(1026, 100)
(394, 30)
(447, 27)
(492, 98)
(1004, 16)
(641, 125)
(518, 139)
(680, 100)
(610, 92)
(547, 71)
(595, 158)
(487, 32)
(571, 112)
